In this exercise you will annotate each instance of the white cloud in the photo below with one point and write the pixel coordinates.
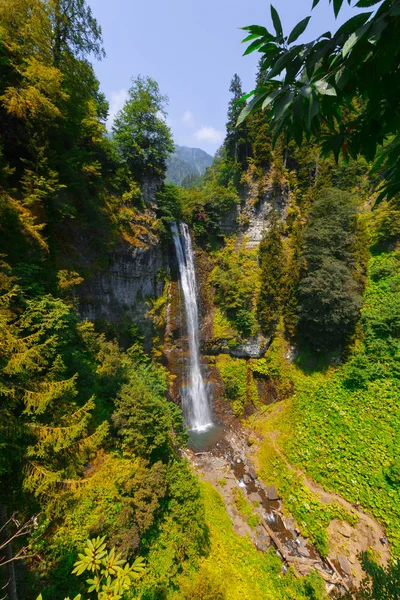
(187, 118)
(117, 102)
(209, 134)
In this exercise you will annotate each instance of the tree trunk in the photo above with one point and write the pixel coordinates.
(11, 585)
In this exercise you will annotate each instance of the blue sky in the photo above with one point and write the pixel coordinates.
(192, 48)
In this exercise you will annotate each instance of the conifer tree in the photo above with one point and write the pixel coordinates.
(47, 431)
(235, 143)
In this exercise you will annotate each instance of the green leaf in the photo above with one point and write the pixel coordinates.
(353, 39)
(269, 99)
(254, 46)
(342, 77)
(280, 64)
(325, 88)
(366, 3)
(257, 29)
(298, 109)
(352, 24)
(327, 35)
(376, 30)
(298, 30)
(276, 21)
(249, 107)
(337, 5)
(282, 105)
(245, 97)
(250, 37)
(312, 110)
(314, 4)
(306, 91)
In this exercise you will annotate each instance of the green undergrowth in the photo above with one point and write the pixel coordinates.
(342, 425)
(235, 570)
(235, 279)
(312, 515)
(246, 509)
(240, 387)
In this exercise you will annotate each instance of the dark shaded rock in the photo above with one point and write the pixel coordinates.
(271, 493)
(252, 472)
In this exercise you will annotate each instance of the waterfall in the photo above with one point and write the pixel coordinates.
(194, 400)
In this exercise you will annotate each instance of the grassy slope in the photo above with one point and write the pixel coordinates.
(342, 426)
(242, 572)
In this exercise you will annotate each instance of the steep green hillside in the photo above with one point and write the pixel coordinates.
(186, 165)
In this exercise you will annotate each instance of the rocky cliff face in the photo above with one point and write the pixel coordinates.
(124, 288)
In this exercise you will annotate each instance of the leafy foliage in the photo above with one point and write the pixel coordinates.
(329, 299)
(341, 425)
(340, 89)
(272, 264)
(234, 569)
(112, 576)
(235, 278)
(142, 137)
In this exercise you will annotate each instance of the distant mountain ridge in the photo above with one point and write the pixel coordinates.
(186, 164)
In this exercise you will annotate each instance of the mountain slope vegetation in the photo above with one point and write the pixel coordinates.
(298, 269)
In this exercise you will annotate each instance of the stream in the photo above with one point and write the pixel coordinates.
(214, 447)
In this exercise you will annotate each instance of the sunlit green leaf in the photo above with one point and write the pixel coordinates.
(257, 29)
(253, 47)
(325, 88)
(250, 37)
(269, 99)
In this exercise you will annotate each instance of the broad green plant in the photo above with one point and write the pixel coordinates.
(111, 575)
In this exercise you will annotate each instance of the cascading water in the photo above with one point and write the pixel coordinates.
(195, 401)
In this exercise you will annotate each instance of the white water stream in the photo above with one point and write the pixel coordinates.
(194, 398)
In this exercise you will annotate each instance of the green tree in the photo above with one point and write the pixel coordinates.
(329, 295)
(48, 435)
(75, 30)
(339, 89)
(236, 137)
(148, 424)
(272, 264)
(142, 137)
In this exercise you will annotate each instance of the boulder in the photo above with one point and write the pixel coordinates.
(271, 493)
(345, 565)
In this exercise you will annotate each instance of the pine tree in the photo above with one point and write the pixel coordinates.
(236, 144)
(47, 429)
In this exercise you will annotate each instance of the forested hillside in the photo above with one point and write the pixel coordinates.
(186, 165)
(298, 282)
